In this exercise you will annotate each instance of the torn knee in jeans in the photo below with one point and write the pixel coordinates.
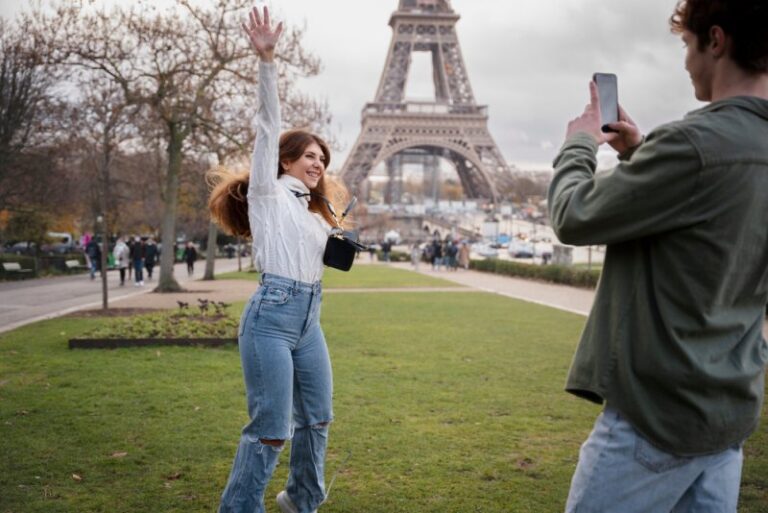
(272, 443)
(320, 425)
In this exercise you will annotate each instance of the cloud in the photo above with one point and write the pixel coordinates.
(529, 62)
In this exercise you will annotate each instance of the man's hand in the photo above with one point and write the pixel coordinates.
(589, 121)
(627, 134)
(263, 38)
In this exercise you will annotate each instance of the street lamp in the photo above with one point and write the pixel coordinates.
(100, 223)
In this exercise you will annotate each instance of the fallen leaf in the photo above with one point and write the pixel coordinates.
(158, 353)
(119, 454)
(77, 477)
(167, 484)
(4, 382)
(197, 408)
(175, 475)
(22, 413)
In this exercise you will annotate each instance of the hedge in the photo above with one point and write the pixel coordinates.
(394, 256)
(552, 273)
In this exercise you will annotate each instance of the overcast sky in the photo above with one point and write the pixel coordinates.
(529, 61)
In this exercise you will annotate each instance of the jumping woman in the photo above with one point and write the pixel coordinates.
(285, 360)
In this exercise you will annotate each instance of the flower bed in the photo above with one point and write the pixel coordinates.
(182, 327)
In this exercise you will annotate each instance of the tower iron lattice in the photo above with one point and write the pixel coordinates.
(453, 126)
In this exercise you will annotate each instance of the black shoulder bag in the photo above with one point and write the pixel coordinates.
(342, 245)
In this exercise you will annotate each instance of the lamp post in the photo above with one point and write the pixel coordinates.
(102, 224)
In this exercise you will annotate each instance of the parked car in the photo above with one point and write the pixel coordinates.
(61, 242)
(520, 249)
(485, 250)
(22, 248)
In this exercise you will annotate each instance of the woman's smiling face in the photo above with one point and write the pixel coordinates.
(309, 168)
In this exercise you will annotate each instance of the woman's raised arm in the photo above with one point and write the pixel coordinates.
(265, 152)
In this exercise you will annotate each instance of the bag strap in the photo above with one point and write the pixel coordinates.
(330, 205)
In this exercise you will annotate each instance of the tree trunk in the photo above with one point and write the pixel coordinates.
(210, 254)
(167, 282)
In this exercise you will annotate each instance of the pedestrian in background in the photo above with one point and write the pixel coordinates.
(137, 257)
(415, 255)
(93, 253)
(150, 256)
(129, 242)
(464, 255)
(386, 247)
(189, 256)
(122, 256)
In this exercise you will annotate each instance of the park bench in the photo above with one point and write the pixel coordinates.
(14, 267)
(74, 264)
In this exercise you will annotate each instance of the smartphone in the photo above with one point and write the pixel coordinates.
(607, 90)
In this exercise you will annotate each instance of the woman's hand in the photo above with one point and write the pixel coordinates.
(263, 38)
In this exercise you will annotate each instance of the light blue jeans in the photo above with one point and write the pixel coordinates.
(289, 387)
(620, 471)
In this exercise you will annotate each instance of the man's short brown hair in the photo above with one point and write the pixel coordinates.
(744, 21)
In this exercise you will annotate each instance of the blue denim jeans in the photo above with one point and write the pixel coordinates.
(289, 387)
(620, 471)
(138, 266)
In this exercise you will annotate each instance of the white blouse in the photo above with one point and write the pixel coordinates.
(288, 239)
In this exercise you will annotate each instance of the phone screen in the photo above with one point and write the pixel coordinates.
(607, 90)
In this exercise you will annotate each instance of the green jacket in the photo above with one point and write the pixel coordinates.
(674, 339)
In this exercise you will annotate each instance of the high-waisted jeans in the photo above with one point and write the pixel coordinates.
(289, 387)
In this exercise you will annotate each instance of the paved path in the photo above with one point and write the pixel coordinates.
(46, 298)
(570, 299)
(26, 301)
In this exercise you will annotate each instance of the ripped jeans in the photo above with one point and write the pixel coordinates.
(289, 387)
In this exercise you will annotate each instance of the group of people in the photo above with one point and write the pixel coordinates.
(449, 253)
(134, 254)
(673, 349)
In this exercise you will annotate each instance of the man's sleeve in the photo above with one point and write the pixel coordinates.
(645, 195)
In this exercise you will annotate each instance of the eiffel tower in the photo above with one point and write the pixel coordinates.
(396, 131)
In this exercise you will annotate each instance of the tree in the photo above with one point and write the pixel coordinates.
(25, 103)
(188, 68)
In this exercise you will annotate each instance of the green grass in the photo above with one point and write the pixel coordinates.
(444, 403)
(362, 276)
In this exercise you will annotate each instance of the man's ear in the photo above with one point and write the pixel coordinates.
(718, 41)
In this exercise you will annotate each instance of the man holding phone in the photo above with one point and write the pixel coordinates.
(673, 345)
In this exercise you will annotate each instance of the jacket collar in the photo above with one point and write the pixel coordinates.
(756, 105)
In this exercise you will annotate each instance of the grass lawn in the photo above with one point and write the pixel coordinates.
(444, 403)
(362, 276)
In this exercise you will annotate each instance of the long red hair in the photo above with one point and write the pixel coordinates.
(228, 202)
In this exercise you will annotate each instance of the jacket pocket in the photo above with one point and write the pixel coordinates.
(654, 459)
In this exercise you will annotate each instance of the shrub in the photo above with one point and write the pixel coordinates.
(394, 256)
(551, 273)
